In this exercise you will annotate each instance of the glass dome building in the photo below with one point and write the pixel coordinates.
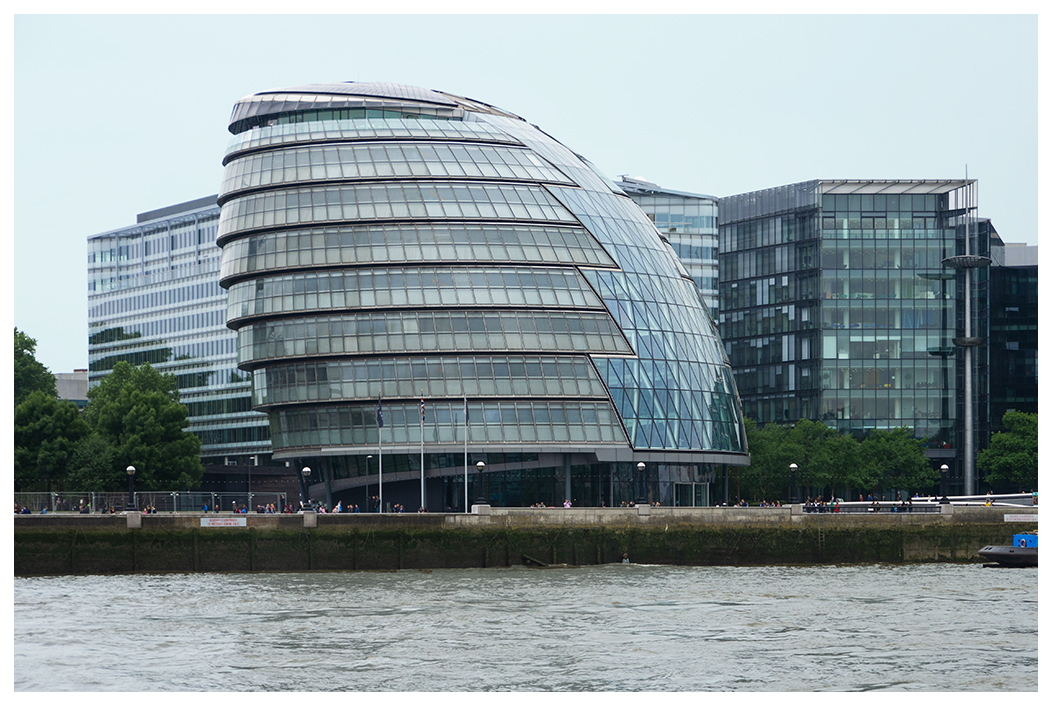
(424, 281)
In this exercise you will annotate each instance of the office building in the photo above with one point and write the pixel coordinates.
(689, 222)
(1013, 330)
(154, 297)
(73, 387)
(384, 241)
(838, 303)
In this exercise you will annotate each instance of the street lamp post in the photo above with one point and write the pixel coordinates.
(944, 471)
(306, 492)
(641, 467)
(481, 466)
(131, 489)
(792, 482)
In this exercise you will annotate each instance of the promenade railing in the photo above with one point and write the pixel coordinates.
(162, 501)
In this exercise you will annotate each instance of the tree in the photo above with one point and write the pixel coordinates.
(894, 460)
(814, 445)
(30, 374)
(843, 450)
(1012, 456)
(770, 453)
(825, 458)
(136, 412)
(47, 430)
(92, 467)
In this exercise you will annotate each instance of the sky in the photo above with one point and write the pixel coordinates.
(115, 115)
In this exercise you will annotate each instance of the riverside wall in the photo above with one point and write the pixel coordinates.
(115, 544)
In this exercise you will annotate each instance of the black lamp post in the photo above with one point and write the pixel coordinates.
(792, 482)
(306, 493)
(944, 471)
(481, 466)
(131, 489)
(642, 467)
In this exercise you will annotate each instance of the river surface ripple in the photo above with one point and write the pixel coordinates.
(604, 628)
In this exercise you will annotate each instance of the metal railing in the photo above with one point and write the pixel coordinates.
(884, 506)
(182, 501)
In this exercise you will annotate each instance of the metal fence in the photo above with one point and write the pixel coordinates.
(183, 501)
(882, 507)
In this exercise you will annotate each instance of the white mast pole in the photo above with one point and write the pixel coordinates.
(465, 454)
(422, 450)
(380, 451)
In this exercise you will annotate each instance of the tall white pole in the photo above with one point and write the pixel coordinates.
(465, 454)
(422, 451)
(380, 449)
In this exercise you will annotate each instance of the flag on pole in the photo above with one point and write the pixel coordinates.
(379, 413)
(465, 410)
(422, 416)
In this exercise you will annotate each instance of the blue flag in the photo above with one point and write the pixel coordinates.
(379, 413)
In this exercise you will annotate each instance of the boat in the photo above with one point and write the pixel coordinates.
(1022, 552)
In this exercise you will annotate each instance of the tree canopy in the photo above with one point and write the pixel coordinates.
(47, 432)
(830, 462)
(137, 414)
(894, 459)
(30, 374)
(1012, 456)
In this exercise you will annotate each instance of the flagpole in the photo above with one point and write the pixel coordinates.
(422, 451)
(380, 453)
(465, 455)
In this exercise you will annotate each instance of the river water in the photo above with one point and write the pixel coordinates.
(928, 627)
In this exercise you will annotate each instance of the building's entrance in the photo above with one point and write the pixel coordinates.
(691, 494)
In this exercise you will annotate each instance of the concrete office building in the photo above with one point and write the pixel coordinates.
(689, 223)
(73, 387)
(154, 297)
(837, 304)
(384, 241)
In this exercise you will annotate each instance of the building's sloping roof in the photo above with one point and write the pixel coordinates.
(375, 90)
(635, 185)
(351, 94)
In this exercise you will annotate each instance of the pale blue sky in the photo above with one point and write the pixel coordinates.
(117, 115)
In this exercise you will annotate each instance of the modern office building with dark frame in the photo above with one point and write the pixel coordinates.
(496, 293)
(848, 301)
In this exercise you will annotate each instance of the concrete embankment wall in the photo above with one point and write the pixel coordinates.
(101, 544)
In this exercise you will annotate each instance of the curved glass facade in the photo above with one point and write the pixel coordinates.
(385, 159)
(432, 377)
(383, 256)
(410, 286)
(411, 242)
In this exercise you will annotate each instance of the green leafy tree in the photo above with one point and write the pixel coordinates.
(92, 467)
(825, 459)
(813, 444)
(30, 373)
(843, 451)
(771, 450)
(136, 411)
(47, 430)
(894, 460)
(1012, 456)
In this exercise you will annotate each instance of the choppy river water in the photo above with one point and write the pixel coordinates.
(928, 627)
